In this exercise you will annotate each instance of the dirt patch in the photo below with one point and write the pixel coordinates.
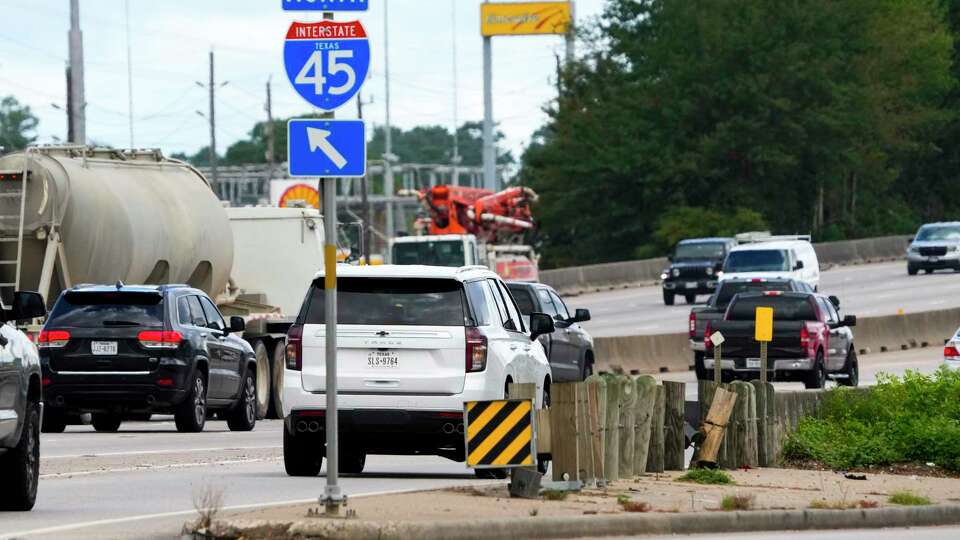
(900, 469)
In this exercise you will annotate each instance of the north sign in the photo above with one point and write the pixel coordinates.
(327, 62)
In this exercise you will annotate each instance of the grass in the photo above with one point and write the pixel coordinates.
(555, 494)
(737, 502)
(707, 476)
(823, 504)
(906, 498)
(630, 505)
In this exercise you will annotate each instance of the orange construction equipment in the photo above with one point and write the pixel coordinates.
(491, 217)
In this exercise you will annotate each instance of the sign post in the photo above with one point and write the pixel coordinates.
(763, 332)
(327, 63)
(717, 339)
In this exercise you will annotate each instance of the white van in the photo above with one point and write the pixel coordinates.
(774, 257)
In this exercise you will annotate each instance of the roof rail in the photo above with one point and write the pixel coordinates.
(472, 267)
(765, 236)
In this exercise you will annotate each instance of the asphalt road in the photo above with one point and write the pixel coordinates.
(929, 533)
(864, 290)
(141, 482)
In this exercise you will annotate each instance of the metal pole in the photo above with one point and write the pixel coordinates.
(78, 102)
(268, 131)
(365, 233)
(456, 125)
(126, 8)
(388, 187)
(489, 153)
(763, 362)
(213, 126)
(570, 33)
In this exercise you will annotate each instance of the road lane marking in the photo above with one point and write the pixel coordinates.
(171, 451)
(147, 467)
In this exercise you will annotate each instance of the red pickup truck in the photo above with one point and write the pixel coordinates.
(810, 340)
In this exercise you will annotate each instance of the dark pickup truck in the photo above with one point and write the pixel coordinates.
(717, 304)
(810, 340)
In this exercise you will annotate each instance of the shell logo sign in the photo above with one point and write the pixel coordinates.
(524, 18)
(292, 193)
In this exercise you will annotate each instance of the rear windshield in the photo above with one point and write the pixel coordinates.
(439, 253)
(756, 260)
(389, 301)
(785, 308)
(524, 299)
(699, 250)
(730, 288)
(107, 309)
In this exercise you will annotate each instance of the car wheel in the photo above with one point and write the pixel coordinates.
(263, 374)
(817, 378)
(690, 298)
(106, 422)
(352, 460)
(191, 415)
(912, 270)
(851, 369)
(490, 474)
(587, 369)
(54, 420)
(279, 364)
(243, 417)
(667, 298)
(699, 368)
(20, 466)
(302, 454)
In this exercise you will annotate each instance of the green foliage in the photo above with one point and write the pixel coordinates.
(812, 115)
(434, 144)
(18, 125)
(913, 419)
(736, 502)
(907, 498)
(706, 476)
(555, 494)
(685, 222)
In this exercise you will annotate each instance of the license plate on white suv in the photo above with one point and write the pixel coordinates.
(103, 348)
(753, 363)
(383, 359)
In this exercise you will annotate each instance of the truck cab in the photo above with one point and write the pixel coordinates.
(451, 250)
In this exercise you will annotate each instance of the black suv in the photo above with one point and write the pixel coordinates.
(694, 268)
(118, 351)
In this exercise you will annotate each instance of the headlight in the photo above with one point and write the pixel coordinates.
(719, 274)
(664, 275)
(709, 271)
(676, 272)
(913, 249)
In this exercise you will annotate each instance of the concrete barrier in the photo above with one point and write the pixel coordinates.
(671, 352)
(578, 279)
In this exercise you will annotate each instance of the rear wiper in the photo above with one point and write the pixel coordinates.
(120, 323)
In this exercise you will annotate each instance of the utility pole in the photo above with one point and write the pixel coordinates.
(126, 8)
(388, 157)
(76, 102)
(268, 129)
(213, 125)
(455, 176)
(571, 33)
(489, 152)
(364, 202)
(70, 129)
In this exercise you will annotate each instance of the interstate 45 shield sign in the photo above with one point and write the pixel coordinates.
(327, 61)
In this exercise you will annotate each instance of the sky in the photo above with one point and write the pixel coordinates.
(170, 41)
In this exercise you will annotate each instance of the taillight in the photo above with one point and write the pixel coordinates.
(47, 381)
(295, 348)
(950, 351)
(157, 339)
(804, 338)
(476, 350)
(773, 293)
(53, 339)
(707, 344)
(693, 324)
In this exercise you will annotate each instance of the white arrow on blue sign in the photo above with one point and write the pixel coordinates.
(327, 62)
(324, 5)
(320, 147)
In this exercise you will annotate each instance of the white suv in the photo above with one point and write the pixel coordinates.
(413, 344)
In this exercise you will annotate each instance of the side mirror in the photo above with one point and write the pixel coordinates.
(26, 305)
(798, 266)
(835, 301)
(581, 315)
(670, 258)
(540, 324)
(850, 320)
(237, 324)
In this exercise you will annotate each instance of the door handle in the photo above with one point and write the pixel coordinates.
(513, 347)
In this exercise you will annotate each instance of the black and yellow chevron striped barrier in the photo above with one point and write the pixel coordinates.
(500, 434)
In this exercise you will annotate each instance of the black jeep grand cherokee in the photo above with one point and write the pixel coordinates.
(117, 351)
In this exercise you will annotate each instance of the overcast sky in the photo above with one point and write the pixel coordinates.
(170, 43)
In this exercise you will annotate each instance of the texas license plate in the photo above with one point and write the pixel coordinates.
(934, 259)
(102, 348)
(383, 359)
(691, 284)
(753, 363)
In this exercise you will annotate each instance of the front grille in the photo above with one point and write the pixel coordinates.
(938, 251)
(693, 272)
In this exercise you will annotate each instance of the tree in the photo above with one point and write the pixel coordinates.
(18, 125)
(434, 144)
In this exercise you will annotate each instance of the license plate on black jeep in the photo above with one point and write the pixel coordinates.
(103, 348)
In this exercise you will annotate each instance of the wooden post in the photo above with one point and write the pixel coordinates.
(766, 426)
(595, 414)
(611, 434)
(655, 454)
(673, 436)
(565, 427)
(717, 373)
(743, 450)
(628, 415)
(584, 436)
(715, 425)
(646, 401)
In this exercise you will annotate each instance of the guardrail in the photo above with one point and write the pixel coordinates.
(579, 279)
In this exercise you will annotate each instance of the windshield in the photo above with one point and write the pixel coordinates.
(785, 308)
(699, 250)
(392, 301)
(433, 253)
(939, 232)
(524, 299)
(730, 288)
(756, 260)
(113, 309)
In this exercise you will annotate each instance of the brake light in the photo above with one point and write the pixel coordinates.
(707, 344)
(53, 339)
(804, 337)
(773, 293)
(693, 324)
(165, 382)
(47, 381)
(950, 351)
(476, 350)
(295, 348)
(157, 339)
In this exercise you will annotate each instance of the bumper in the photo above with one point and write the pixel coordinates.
(950, 260)
(115, 391)
(953, 364)
(697, 345)
(778, 366)
(690, 286)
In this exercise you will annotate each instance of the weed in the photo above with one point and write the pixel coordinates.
(623, 499)
(907, 498)
(534, 511)
(737, 502)
(707, 476)
(635, 506)
(207, 501)
(555, 494)
(823, 504)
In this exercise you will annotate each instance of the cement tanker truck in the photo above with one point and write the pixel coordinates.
(75, 214)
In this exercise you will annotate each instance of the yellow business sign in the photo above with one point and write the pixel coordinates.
(764, 325)
(524, 18)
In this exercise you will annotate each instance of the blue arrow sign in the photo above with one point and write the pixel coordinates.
(324, 5)
(327, 61)
(317, 147)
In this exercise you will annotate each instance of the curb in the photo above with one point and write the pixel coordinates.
(595, 526)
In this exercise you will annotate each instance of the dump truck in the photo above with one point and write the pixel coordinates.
(76, 214)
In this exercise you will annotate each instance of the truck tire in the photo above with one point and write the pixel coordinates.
(243, 416)
(352, 460)
(279, 364)
(690, 298)
(817, 378)
(191, 415)
(54, 420)
(106, 422)
(302, 455)
(698, 367)
(911, 269)
(263, 374)
(851, 369)
(667, 298)
(20, 466)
